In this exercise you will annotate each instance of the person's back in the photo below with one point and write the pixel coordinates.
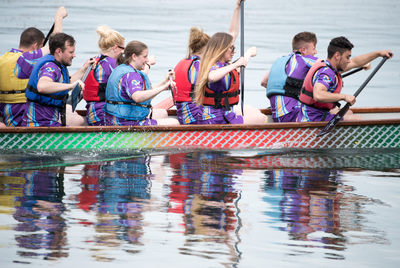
(286, 77)
(186, 72)
(16, 66)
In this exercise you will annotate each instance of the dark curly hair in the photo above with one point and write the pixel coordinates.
(339, 44)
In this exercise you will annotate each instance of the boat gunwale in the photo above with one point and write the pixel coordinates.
(214, 127)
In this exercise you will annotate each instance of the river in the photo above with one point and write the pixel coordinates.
(207, 208)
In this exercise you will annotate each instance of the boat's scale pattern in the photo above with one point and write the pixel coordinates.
(363, 136)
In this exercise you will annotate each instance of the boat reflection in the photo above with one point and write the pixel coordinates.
(207, 196)
(317, 210)
(40, 213)
(194, 201)
(118, 192)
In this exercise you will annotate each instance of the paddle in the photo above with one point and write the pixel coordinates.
(48, 35)
(352, 72)
(170, 87)
(335, 120)
(242, 53)
(76, 94)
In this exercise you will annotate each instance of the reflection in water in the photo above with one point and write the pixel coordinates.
(204, 208)
(117, 191)
(206, 195)
(41, 228)
(312, 206)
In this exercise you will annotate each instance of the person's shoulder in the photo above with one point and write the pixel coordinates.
(311, 57)
(31, 55)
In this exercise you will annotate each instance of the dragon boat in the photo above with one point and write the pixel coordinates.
(379, 129)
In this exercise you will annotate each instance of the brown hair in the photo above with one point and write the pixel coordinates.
(59, 40)
(197, 41)
(133, 47)
(30, 36)
(300, 39)
(339, 44)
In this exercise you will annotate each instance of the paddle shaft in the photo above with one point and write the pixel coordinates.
(370, 76)
(352, 72)
(48, 35)
(170, 87)
(242, 53)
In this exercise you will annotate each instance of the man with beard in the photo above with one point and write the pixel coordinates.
(322, 86)
(49, 83)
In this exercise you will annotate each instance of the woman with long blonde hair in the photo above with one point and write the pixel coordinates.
(111, 44)
(218, 83)
(186, 72)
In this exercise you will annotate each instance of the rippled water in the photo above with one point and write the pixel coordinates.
(247, 208)
(202, 209)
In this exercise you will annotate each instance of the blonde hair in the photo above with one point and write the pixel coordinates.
(215, 49)
(108, 37)
(198, 39)
(133, 47)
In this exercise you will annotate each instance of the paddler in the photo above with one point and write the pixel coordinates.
(323, 84)
(16, 66)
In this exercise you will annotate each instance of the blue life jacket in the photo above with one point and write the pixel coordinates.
(54, 99)
(279, 83)
(118, 106)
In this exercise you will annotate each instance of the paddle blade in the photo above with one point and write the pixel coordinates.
(334, 121)
(76, 97)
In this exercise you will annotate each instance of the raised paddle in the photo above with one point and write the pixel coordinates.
(76, 94)
(242, 53)
(48, 35)
(335, 120)
(170, 87)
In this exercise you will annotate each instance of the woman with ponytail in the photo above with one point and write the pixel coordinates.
(111, 44)
(218, 82)
(186, 72)
(185, 77)
(129, 91)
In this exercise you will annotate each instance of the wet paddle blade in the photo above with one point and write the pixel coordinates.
(76, 94)
(76, 97)
(334, 121)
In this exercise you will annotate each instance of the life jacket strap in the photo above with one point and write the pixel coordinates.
(292, 87)
(129, 103)
(12, 92)
(54, 97)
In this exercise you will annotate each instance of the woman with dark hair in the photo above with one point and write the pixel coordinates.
(129, 91)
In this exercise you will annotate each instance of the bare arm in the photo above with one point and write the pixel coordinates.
(364, 59)
(79, 74)
(321, 94)
(46, 85)
(264, 81)
(235, 22)
(58, 19)
(144, 95)
(218, 74)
